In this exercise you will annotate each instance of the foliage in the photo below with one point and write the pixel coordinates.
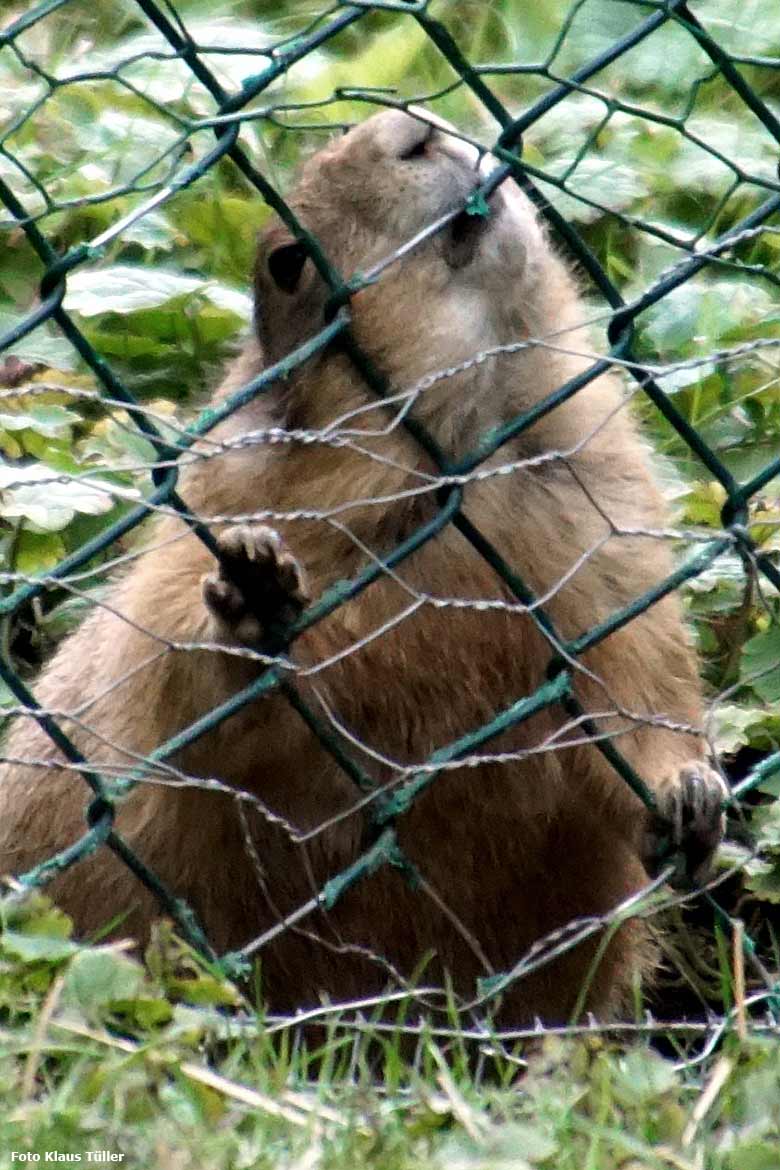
(101, 1051)
(650, 160)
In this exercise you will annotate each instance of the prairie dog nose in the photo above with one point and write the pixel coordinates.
(444, 134)
(415, 138)
(420, 134)
(403, 136)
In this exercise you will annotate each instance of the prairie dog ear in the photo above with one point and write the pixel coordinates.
(289, 295)
(285, 264)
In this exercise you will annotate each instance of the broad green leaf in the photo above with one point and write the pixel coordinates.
(36, 947)
(643, 1076)
(152, 231)
(763, 880)
(34, 914)
(731, 726)
(43, 345)
(145, 1011)
(124, 289)
(45, 420)
(755, 1153)
(760, 666)
(48, 499)
(97, 976)
(66, 616)
(38, 551)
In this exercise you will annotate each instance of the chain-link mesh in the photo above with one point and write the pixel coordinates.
(222, 115)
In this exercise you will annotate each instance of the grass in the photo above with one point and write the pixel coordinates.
(167, 1065)
(162, 1063)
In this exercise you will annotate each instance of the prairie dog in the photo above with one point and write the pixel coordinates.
(506, 850)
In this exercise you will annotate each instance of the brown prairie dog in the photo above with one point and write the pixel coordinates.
(508, 850)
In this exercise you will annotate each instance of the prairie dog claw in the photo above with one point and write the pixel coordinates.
(690, 813)
(258, 585)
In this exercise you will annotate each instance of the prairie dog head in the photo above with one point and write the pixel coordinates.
(472, 285)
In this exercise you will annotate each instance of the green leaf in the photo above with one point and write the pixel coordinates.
(51, 421)
(33, 948)
(760, 665)
(731, 726)
(763, 880)
(534, 1142)
(34, 914)
(696, 317)
(99, 976)
(152, 232)
(117, 445)
(459, 1152)
(643, 1076)
(203, 989)
(770, 786)
(145, 1011)
(703, 503)
(47, 500)
(42, 346)
(754, 1154)
(65, 617)
(124, 289)
(38, 551)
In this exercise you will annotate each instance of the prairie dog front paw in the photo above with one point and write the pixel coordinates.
(258, 587)
(688, 825)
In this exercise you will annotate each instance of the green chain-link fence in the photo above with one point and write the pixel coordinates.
(217, 116)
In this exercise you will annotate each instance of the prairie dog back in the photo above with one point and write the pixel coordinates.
(505, 849)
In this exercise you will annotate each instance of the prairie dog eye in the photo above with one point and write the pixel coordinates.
(285, 265)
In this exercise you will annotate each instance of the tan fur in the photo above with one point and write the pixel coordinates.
(513, 849)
